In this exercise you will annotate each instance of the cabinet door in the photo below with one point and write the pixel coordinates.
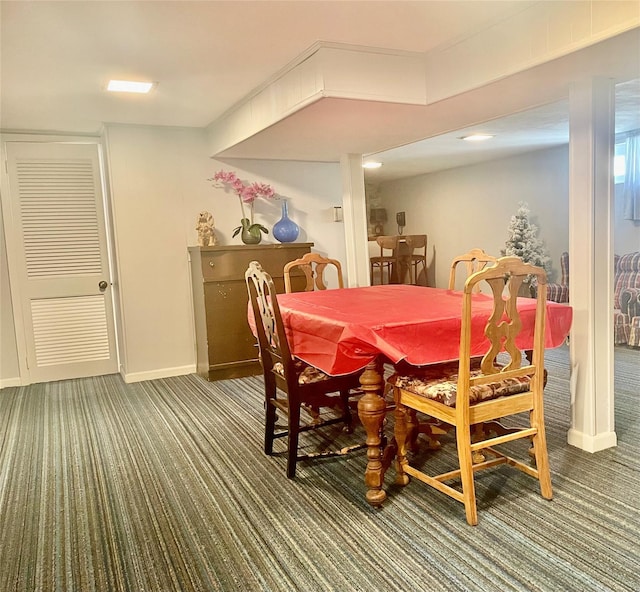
(230, 339)
(226, 346)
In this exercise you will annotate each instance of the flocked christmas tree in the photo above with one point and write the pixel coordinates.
(523, 240)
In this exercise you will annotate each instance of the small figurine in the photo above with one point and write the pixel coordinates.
(206, 232)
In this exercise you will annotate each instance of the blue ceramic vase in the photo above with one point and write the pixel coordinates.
(285, 230)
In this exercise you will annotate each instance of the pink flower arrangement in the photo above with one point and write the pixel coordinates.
(247, 194)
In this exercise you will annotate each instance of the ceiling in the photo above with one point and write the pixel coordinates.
(535, 129)
(56, 58)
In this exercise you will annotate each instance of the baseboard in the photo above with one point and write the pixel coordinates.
(6, 382)
(160, 373)
(592, 443)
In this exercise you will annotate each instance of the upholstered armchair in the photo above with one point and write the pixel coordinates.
(626, 312)
(556, 292)
(560, 292)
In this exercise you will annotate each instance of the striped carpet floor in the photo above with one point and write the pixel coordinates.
(162, 486)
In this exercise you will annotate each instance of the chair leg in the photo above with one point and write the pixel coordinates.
(292, 438)
(412, 429)
(348, 425)
(416, 274)
(431, 428)
(270, 418)
(463, 438)
(541, 456)
(400, 433)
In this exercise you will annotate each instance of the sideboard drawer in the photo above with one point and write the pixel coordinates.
(224, 264)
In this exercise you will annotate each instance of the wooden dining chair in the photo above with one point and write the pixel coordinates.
(292, 386)
(388, 260)
(475, 260)
(417, 257)
(313, 265)
(472, 391)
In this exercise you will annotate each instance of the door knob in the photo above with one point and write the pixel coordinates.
(102, 285)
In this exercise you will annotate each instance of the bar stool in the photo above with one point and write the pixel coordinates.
(389, 262)
(417, 249)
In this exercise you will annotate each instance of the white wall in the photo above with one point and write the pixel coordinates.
(154, 173)
(471, 206)
(158, 179)
(462, 208)
(312, 189)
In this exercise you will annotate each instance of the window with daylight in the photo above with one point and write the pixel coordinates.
(631, 187)
(619, 162)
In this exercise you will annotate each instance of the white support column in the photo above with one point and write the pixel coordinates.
(591, 126)
(354, 208)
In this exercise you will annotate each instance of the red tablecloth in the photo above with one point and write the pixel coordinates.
(341, 331)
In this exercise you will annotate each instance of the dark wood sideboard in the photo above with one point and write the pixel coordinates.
(226, 347)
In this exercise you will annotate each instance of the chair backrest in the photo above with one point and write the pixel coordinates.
(272, 339)
(504, 278)
(475, 260)
(388, 243)
(627, 274)
(417, 242)
(313, 265)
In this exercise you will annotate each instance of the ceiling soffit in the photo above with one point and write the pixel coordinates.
(341, 71)
(327, 71)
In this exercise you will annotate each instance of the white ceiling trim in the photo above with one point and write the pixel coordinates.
(536, 35)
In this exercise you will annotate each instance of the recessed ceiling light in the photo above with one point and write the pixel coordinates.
(371, 165)
(129, 86)
(476, 137)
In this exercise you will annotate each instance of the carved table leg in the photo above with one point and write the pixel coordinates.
(371, 410)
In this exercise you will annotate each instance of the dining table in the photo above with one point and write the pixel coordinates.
(348, 330)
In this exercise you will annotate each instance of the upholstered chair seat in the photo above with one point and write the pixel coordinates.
(440, 383)
(306, 374)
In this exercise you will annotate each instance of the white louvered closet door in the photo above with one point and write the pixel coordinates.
(62, 261)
